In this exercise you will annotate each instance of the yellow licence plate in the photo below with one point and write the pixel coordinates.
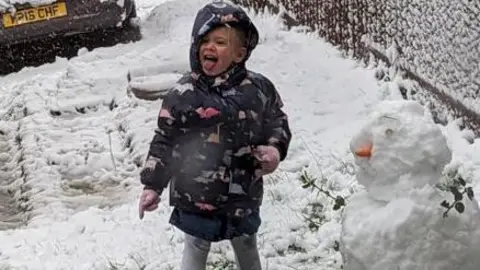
(35, 14)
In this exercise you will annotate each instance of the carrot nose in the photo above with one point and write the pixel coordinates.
(364, 150)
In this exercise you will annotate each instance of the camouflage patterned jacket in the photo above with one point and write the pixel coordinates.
(207, 129)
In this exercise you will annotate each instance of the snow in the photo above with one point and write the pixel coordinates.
(397, 220)
(77, 138)
(409, 150)
(439, 39)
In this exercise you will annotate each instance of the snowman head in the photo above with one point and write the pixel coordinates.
(398, 149)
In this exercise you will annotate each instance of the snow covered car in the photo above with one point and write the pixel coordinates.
(27, 20)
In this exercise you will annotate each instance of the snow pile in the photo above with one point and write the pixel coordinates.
(398, 222)
(152, 82)
(397, 128)
(163, 20)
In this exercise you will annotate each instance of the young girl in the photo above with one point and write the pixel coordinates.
(219, 131)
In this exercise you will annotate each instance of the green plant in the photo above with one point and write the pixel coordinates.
(457, 186)
(309, 181)
(314, 216)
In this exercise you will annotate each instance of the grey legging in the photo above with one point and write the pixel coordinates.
(196, 250)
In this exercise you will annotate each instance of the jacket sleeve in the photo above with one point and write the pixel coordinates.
(275, 123)
(155, 173)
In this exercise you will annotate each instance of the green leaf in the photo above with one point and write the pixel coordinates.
(460, 207)
(461, 181)
(340, 201)
(336, 246)
(312, 226)
(456, 193)
(458, 196)
(470, 193)
(306, 185)
(441, 187)
(303, 178)
(445, 204)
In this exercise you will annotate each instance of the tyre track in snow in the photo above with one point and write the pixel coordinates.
(73, 116)
(14, 205)
(14, 202)
(70, 148)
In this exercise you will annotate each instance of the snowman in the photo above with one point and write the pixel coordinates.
(397, 221)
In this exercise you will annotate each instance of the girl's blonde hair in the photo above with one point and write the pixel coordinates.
(240, 35)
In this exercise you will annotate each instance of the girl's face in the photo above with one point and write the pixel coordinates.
(219, 49)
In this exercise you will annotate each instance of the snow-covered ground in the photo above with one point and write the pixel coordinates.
(72, 140)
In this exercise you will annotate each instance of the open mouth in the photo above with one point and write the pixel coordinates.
(210, 58)
(209, 62)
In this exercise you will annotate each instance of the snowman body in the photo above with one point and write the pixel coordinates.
(397, 222)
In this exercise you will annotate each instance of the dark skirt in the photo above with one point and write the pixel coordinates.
(215, 228)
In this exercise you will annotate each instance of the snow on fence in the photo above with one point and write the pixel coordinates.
(436, 43)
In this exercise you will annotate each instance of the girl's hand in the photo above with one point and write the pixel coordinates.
(149, 201)
(268, 156)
